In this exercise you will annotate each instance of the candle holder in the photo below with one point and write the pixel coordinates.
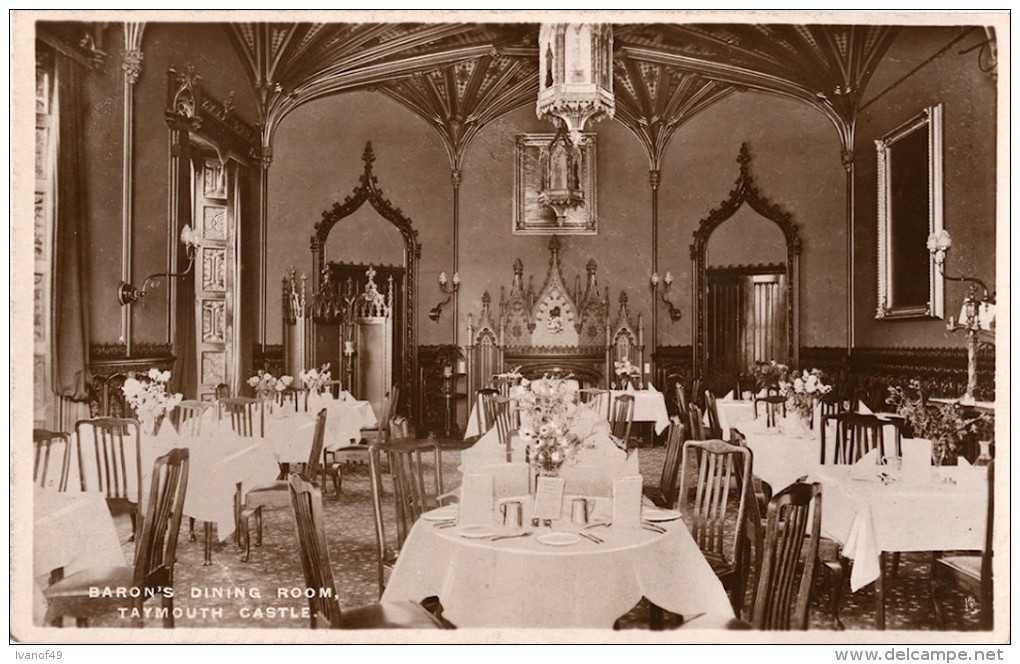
(977, 315)
(667, 283)
(448, 288)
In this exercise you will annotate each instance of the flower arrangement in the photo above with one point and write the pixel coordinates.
(315, 379)
(266, 385)
(149, 398)
(769, 374)
(941, 423)
(626, 372)
(546, 407)
(803, 391)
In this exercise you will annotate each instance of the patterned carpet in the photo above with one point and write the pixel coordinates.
(264, 592)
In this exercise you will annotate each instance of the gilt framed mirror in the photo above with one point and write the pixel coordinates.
(909, 210)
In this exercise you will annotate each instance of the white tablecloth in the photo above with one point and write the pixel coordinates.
(218, 461)
(522, 583)
(599, 463)
(289, 434)
(649, 406)
(870, 517)
(72, 530)
(734, 414)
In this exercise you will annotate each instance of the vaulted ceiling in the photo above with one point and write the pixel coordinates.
(461, 76)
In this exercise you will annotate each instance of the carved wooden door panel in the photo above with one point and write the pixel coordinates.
(214, 281)
(746, 322)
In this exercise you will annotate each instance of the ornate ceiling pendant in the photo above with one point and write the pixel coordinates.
(575, 74)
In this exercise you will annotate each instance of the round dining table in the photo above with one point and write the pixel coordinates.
(553, 576)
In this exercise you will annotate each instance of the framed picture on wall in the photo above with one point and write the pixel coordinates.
(909, 209)
(555, 185)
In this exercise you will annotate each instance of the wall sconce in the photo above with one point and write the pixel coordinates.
(449, 290)
(127, 293)
(667, 281)
(976, 315)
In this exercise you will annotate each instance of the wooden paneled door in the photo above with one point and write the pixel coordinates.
(747, 322)
(214, 280)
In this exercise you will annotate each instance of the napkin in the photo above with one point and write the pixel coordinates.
(863, 408)
(627, 502)
(650, 387)
(916, 459)
(867, 468)
(630, 388)
(728, 397)
(476, 499)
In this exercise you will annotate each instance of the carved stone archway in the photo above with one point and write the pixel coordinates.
(745, 192)
(368, 191)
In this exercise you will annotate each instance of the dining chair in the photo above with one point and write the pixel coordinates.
(222, 391)
(247, 415)
(857, 434)
(595, 399)
(665, 494)
(324, 601)
(621, 417)
(188, 416)
(757, 508)
(43, 442)
(781, 599)
(969, 572)
(712, 526)
(253, 508)
(775, 404)
(498, 410)
(714, 430)
(744, 383)
(411, 493)
(297, 396)
(155, 555)
(110, 453)
(333, 461)
(482, 413)
(681, 401)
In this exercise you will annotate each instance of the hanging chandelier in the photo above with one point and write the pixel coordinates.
(575, 75)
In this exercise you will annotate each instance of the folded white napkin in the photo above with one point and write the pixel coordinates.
(650, 387)
(863, 408)
(476, 498)
(630, 388)
(627, 502)
(728, 397)
(867, 468)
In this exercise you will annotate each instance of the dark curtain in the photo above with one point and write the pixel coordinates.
(185, 374)
(71, 245)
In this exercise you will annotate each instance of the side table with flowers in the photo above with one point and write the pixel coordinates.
(627, 374)
(943, 424)
(150, 399)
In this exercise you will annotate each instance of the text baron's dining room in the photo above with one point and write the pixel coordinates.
(682, 330)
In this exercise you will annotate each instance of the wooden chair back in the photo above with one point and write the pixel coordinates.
(189, 416)
(411, 492)
(781, 598)
(857, 434)
(622, 416)
(596, 400)
(745, 383)
(774, 405)
(695, 424)
(222, 391)
(43, 442)
(247, 417)
(315, 453)
(482, 411)
(297, 396)
(714, 427)
(323, 603)
(671, 462)
(681, 402)
(109, 449)
(498, 411)
(156, 549)
(706, 514)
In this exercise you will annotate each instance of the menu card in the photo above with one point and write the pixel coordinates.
(627, 502)
(476, 499)
(549, 497)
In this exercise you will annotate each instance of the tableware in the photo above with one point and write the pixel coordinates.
(592, 538)
(599, 524)
(647, 525)
(476, 532)
(444, 513)
(659, 514)
(503, 537)
(444, 524)
(558, 539)
(580, 510)
(513, 513)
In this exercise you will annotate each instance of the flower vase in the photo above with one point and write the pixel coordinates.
(795, 425)
(984, 457)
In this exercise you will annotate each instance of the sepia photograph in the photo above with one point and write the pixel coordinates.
(515, 327)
